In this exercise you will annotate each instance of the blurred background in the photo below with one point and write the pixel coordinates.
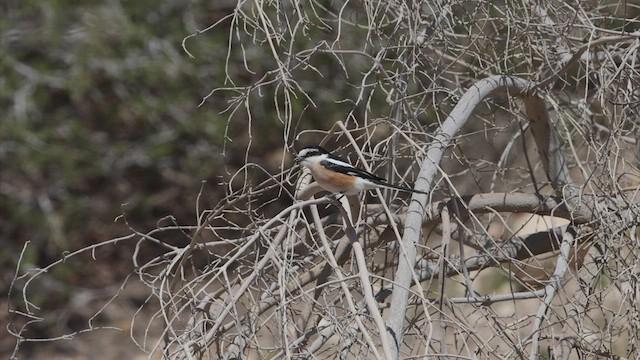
(100, 117)
(105, 130)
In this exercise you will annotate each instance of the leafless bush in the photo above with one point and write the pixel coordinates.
(516, 252)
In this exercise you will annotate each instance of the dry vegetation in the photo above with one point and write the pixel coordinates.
(521, 121)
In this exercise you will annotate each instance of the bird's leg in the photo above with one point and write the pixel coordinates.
(335, 198)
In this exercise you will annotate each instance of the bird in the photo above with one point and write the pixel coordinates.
(338, 176)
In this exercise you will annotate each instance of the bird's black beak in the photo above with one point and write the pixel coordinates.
(297, 159)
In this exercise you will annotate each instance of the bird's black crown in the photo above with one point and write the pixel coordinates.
(309, 151)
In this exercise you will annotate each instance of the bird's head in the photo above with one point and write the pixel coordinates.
(308, 153)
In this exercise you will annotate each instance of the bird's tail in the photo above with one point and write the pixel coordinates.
(401, 188)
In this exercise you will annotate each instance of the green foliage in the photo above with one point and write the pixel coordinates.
(99, 108)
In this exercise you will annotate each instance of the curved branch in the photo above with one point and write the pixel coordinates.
(548, 149)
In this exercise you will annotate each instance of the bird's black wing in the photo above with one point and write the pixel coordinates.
(350, 170)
